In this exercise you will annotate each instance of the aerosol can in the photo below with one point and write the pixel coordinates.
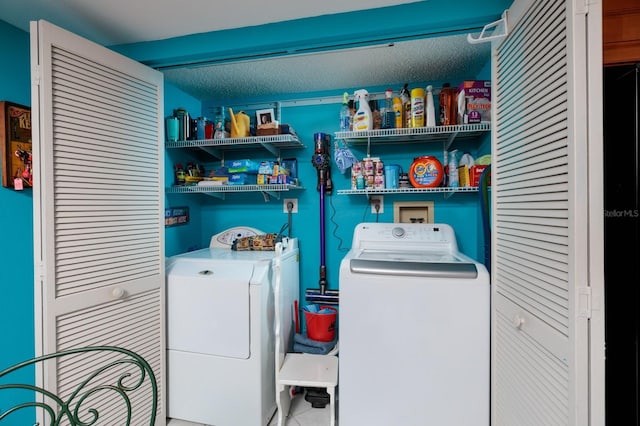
(362, 120)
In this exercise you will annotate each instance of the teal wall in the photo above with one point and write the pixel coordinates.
(209, 215)
(16, 222)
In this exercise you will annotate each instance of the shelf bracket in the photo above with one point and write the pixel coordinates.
(267, 194)
(219, 195)
(450, 140)
(211, 151)
(493, 31)
(271, 149)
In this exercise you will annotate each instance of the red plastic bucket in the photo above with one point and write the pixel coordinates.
(321, 327)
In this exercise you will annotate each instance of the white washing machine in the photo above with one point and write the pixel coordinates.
(220, 358)
(414, 329)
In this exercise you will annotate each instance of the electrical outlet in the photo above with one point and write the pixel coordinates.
(377, 201)
(285, 205)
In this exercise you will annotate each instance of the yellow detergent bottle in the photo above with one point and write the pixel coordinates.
(417, 107)
(397, 109)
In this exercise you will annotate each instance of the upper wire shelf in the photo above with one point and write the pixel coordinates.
(416, 134)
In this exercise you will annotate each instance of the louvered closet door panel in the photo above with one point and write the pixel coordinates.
(534, 221)
(99, 208)
(107, 322)
(106, 169)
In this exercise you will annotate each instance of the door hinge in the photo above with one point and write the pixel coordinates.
(39, 272)
(584, 302)
(35, 75)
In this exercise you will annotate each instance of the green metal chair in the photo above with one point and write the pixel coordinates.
(120, 380)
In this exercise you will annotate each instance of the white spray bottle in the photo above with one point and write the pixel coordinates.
(431, 110)
(362, 120)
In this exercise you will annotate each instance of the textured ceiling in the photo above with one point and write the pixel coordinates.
(449, 58)
(111, 22)
(129, 21)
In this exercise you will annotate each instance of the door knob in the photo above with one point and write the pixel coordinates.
(118, 293)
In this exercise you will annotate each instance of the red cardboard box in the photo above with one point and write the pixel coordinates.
(474, 175)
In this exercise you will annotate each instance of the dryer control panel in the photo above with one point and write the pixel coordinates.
(226, 238)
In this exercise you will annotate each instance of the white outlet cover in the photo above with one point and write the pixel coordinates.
(381, 200)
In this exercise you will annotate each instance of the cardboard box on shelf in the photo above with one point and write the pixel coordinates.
(476, 94)
(474, 175)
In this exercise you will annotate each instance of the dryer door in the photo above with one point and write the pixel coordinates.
(208, 307)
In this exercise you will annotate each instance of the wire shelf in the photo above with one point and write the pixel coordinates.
(277, 141)
(417, 134)
(207, 189)
(381, 191)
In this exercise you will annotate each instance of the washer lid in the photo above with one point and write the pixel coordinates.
(464, 270)
(410, 255)
(208, 308)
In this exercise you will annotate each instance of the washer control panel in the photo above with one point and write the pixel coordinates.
(423, 236)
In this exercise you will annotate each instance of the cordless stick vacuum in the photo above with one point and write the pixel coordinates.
(322, 162)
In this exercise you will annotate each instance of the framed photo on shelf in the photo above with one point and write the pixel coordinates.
(265, 116)
(15, 145)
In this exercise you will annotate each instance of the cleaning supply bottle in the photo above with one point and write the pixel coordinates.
(352, 112)
(397, 110)
(376, 116)
(406, 106)
(431, 110)
(466, 160)
(362, 120)
(345, 114)
(389, 118)
(453, 169)
(447, 103)
(417, 107)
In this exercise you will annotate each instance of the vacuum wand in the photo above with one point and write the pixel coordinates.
(322, 162)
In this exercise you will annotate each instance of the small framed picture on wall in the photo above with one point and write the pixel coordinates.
(15, 145)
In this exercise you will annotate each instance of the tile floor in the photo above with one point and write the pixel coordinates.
(301, 414)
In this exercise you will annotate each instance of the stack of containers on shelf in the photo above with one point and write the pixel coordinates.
(368, 170)
(357, 176)
(378, 177)
(368, 173)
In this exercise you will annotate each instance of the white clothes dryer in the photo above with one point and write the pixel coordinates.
(414, 329)
(220, 357)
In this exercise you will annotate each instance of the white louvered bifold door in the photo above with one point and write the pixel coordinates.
(540, 243)
(98, 210)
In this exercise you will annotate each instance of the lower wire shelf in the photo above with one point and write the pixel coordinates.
(219, 191)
